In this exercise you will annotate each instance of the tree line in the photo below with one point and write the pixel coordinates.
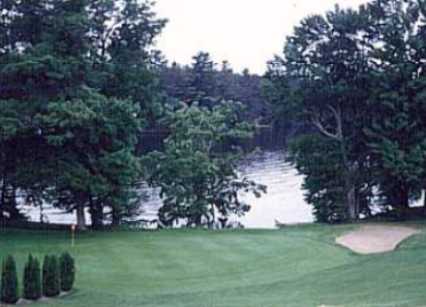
(80, 82)
(208, 83)
(356, 78)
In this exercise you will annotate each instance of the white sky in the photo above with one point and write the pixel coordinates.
(247, 33)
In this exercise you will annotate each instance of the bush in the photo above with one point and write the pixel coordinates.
(32, 279)
(51, 279)
(67, 271)
(9, 282)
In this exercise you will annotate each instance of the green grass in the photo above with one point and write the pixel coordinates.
(296, 266)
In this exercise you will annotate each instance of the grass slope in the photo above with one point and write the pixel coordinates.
(297, 266)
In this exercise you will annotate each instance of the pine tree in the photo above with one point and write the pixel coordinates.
(51, 277)
(9, 282)
(67, 271)
(32, 279)
(202, 83)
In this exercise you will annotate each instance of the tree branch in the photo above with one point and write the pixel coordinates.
(338, 134)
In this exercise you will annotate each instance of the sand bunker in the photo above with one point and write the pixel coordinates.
(372, 239)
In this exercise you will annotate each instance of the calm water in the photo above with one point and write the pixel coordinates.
(283, 202)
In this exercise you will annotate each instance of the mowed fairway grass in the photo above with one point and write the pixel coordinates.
(296, 266)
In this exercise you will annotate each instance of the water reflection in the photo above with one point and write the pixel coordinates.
(284, 202)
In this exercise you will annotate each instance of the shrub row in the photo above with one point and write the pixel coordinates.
(57, 275)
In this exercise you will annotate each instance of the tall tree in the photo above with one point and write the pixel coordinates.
(397, 135)
(322, 79)
(122, 34)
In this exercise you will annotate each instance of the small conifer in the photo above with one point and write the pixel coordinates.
(51, 278)
(9, 282)
(67, 271)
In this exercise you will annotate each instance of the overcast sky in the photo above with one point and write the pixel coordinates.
(247, 33)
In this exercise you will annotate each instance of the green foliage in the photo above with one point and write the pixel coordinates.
(51, 276)
(317, 158)
(32, 279)
(397, 137)
(201, 83)
(67, 271)
(77, 88)
(102, 166)
(208, 83)
(9, 282)
(356, 78)
(320, 82)
(197, 171)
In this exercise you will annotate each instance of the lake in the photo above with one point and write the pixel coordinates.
(284, 201)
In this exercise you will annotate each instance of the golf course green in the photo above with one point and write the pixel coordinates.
(295, 266)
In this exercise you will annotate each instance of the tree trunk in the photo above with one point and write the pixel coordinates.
(352, 205)
(349, 172)
(403, 204)
(212, 221)
(424, 198)
(350, 187)
(2, 199)
(116, 218)
(81, 218)
(9, 205)
(198, 220)
(97, 218)
(223, 222)
(404, 197)
(96, 214)
(424, 202)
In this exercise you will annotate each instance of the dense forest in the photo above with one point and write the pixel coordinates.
(81, 82)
